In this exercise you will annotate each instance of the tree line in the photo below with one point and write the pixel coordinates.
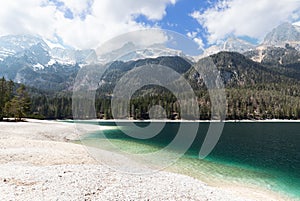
(261, 101)
(14, 102)
(258, 102)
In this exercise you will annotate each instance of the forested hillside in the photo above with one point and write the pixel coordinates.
(253, 91)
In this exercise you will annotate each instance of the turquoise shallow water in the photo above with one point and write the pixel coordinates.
(263, 154)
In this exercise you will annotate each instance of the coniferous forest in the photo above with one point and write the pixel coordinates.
(242, 103)
(14, 102)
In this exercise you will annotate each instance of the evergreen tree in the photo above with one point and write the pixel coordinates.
(6, 93)
(19, 105)
(2, 97)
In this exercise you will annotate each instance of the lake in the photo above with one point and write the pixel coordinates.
(266, 154)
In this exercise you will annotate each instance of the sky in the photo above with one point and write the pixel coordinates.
(85, 24)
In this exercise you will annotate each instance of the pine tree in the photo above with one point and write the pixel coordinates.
(19, 105)
(2, 97)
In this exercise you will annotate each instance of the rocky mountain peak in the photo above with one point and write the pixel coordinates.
(285, 33)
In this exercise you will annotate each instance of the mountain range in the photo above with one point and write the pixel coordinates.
(45, 65)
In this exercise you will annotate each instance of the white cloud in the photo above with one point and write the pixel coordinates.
(78, 7)
(252, 18)
(192, 34)
(29, 17)
(141, 39)
(93, 21)
(199, 41)
(297, 23)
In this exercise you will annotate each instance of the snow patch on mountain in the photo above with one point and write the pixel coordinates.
(17, 43)
(237, 45)
(53, 44)
(38, 66)
(72, 56)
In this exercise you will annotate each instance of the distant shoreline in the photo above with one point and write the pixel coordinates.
(198, 121)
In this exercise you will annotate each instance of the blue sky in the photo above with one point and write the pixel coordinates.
(87, 23)
(177, 18)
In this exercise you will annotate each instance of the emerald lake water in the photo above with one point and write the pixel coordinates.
(265, 154)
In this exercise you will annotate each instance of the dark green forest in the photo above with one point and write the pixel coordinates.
(242, 103)
(14, 102)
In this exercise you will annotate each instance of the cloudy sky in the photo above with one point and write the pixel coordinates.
(86, 23)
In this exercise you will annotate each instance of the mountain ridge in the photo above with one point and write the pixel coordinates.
(26, 59)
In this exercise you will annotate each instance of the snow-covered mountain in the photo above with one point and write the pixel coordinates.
(72, 56)
(237, 45)
(281, 46)
(39, 62)
(29, 59)
(130, 52)
(38, 51)
(285, 33)
(282, 42)
(13, 44)
(232, 44)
